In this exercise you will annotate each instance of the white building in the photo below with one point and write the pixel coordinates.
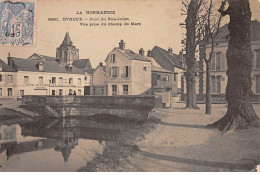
(127, 73)
(7, 81)
(41, 77)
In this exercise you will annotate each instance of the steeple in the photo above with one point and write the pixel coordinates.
(67, 52)
(67, 41)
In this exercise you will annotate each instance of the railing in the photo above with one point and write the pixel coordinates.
(96, 101)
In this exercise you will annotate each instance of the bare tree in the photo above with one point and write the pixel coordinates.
(191, 9)
(240, 113)
(209, 26)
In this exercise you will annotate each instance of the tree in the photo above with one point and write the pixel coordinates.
(240, 113)
(209, 27)
(191, 42)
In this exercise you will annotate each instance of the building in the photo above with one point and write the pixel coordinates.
(41, 77)
(67, 52)
(7, 81)
(98, 86)
(85, 66)
(127, 72)
(219, 64)
(173, 64)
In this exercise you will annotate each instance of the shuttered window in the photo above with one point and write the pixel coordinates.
(258, 84)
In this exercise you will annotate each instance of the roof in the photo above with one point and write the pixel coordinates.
(134, 56)
(102, 67)
(165, 59)
(43, 57)
(82, 64)
(49, 66)
(223, 34)
(5, 67)
(67, 41)
(159, 69)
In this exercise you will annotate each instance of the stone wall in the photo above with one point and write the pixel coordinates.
(122, 106)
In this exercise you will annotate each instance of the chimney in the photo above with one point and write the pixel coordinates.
(122, 45)
(9, 59)
(141, 51)
(101, 64)
(170, 51)
(149, 53)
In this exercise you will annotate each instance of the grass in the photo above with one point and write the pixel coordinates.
(116, 154)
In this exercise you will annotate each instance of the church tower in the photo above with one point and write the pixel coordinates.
(67, 52)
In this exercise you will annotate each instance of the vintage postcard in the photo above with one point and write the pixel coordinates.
(129, 85)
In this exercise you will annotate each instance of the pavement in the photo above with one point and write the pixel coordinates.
(181, 142)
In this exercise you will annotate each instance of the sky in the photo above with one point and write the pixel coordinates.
(159, 20)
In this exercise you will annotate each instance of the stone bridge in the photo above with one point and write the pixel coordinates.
(81, 106)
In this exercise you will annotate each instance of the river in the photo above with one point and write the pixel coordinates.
(54, 144)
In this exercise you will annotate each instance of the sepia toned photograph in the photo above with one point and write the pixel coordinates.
(129, 85)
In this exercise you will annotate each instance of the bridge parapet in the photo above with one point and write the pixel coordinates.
(122, 106)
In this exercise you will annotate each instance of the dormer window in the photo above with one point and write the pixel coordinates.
(113, 58)
(41, 67)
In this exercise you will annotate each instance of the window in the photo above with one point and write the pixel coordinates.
(60, 92)
(1, 92)
(258, 84)
(213, 62)
(1, 78)
(127, 71)
(10, 78)
(223, 60)
(40, 80)
(86, 78)
(257, 59)
(60, 80)
(70, 91)
(216, 84)
(114, 72)
(218, 61)
(26, 79)
(113, 58)
(41, 67)
(175, 77)
(213, 84)
(21, 93)
(71, 81)
(144, 68)
(79, 92)
(79, 81)
(53, 80)
(114, 89)
(94, 91)
(10, 92)
(166, 78)
(102, 91)
(158, 77)
(125, 89)
(53, 92)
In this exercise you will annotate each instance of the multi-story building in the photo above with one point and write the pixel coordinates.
(219, 62)
(127, 73)
(7, 81)
(40, 77)
(98, 86)
(173, 64)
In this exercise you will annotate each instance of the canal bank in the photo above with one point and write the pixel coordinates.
(182, 142)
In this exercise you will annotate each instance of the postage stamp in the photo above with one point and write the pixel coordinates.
(17, 23)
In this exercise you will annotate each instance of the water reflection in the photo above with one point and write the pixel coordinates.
(53, 144)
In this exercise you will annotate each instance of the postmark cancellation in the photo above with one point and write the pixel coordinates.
(17, 22)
